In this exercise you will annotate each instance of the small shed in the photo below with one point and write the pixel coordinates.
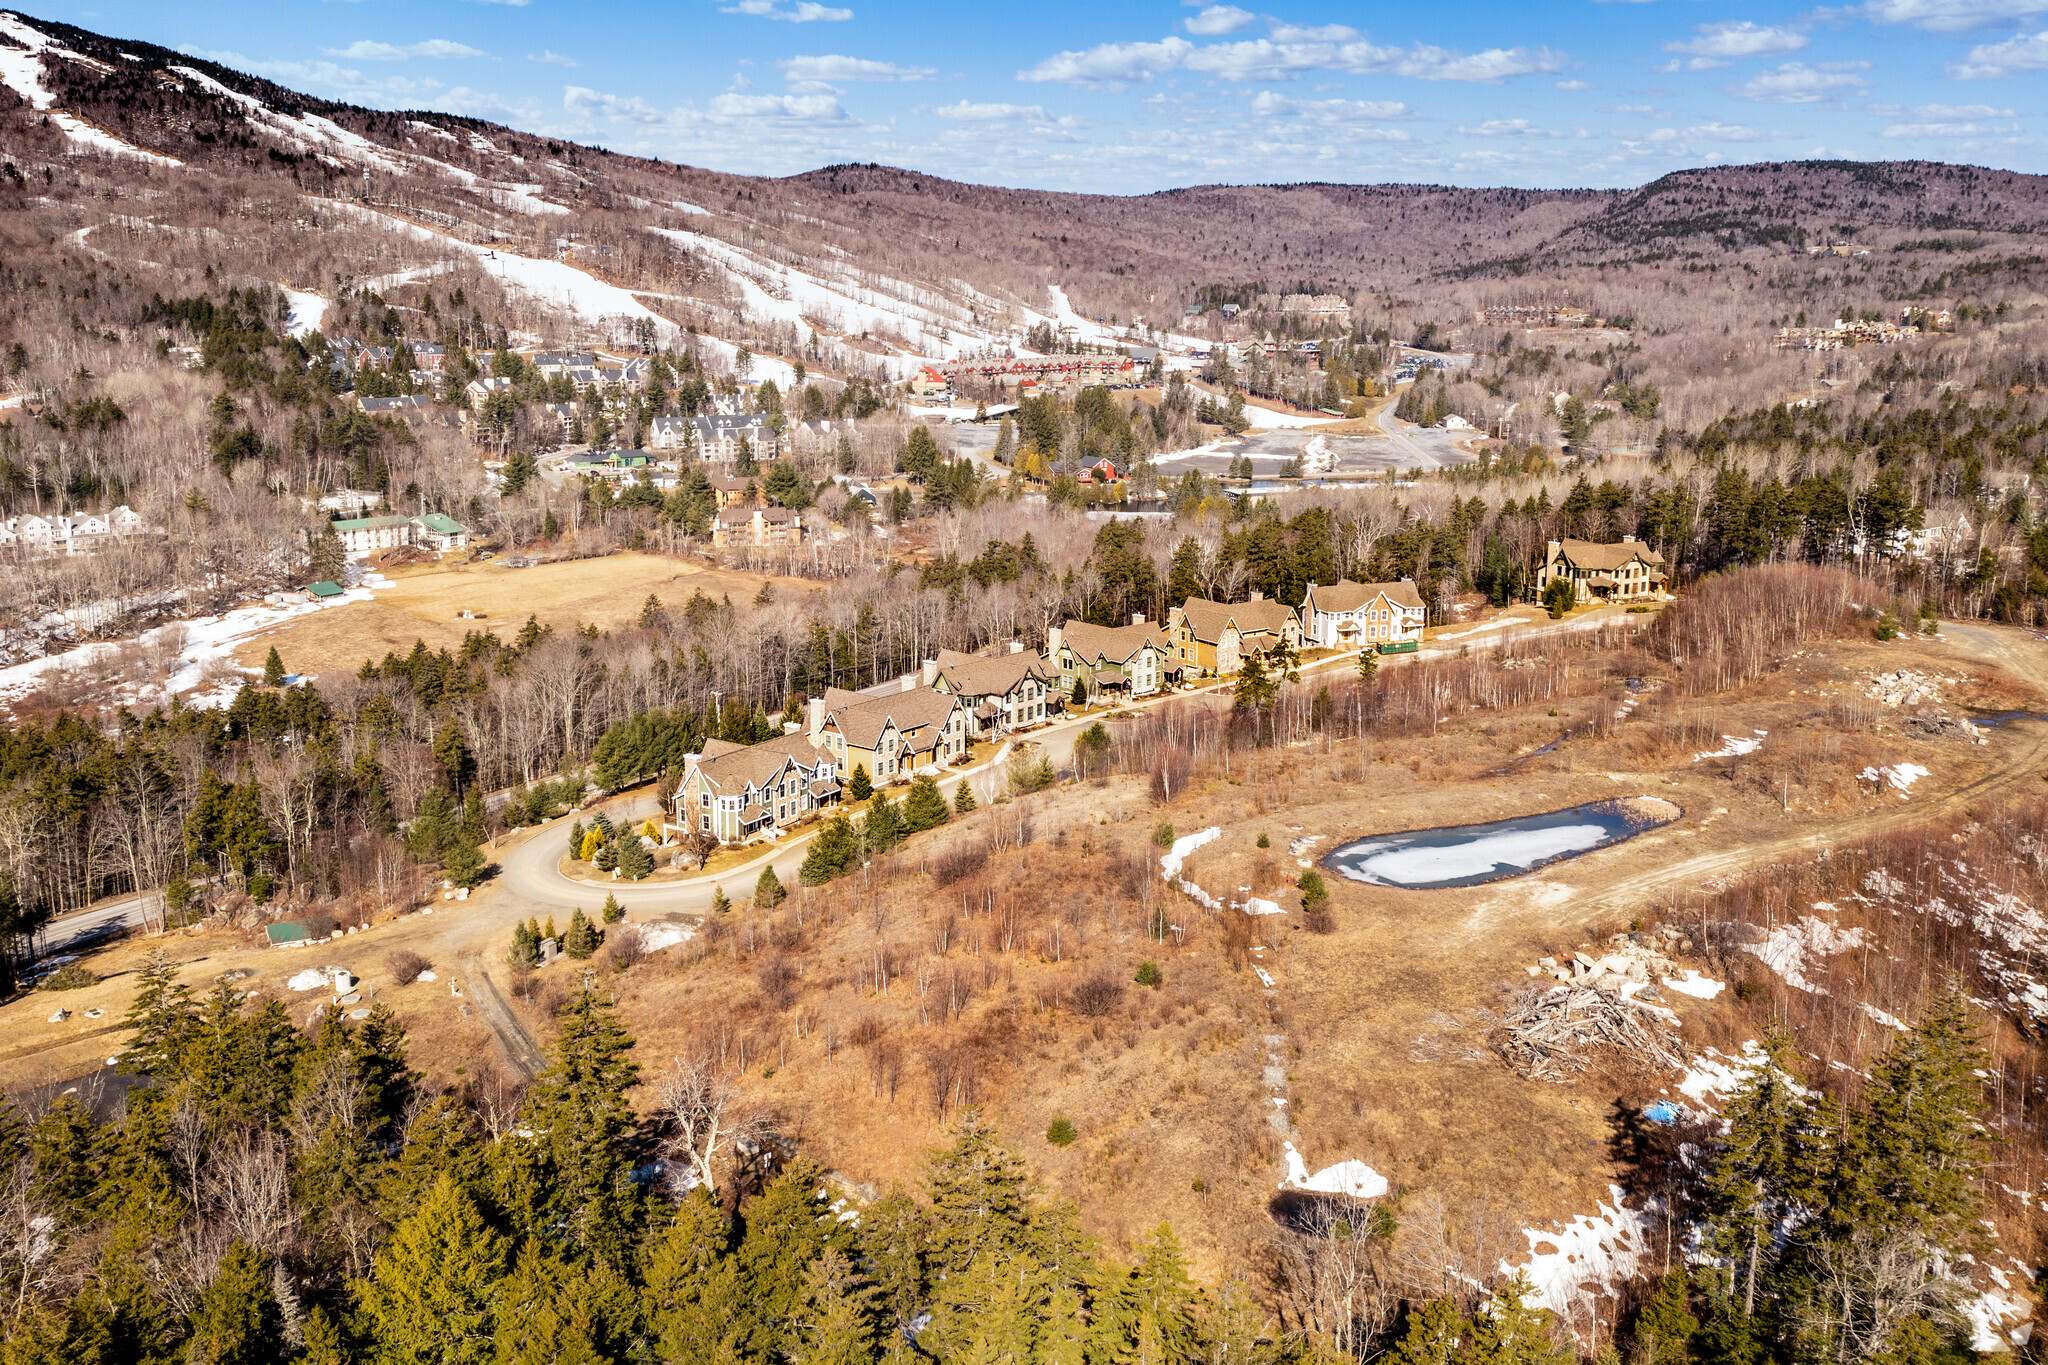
(324, 591)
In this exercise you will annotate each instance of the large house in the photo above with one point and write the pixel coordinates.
(72, 533)
(735, 792)
(893, 735)
(1623, 571)
(1349, 616)
(1214, 637)
(1134, 659)
(1002, 692)
(434, 531)
(757, 527)
(716, 437)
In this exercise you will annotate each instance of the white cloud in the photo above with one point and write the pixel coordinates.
(1219, 19)
(1798, 83)
(1317, 33)
(805, 12)
(363, 50)
(1962, 111)
(1739, 38)
(802, 108)
(552, 58)
(1948, 130)
(1575, 85)
(1949, 16)
(1507, 127)
(822, 70)
(1269, 105)
(968, 112)
(1111, 66)
(1994, 61)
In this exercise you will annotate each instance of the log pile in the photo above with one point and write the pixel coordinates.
(1550, 1035)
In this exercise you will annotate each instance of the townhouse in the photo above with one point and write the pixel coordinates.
(1132, 660)
(1215, 637)
(1350, 616)
(1620, 571)
(1002, 692)
(733, 792)
(894, 735)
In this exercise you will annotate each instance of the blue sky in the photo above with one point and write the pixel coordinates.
(1141, 96)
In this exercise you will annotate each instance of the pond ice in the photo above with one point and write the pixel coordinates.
(1521, 849)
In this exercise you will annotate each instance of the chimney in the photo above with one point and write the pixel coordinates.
(1258, 596)
(1016, 646)
(1055, 636)
(1554, 548)
(1137, 618)
(814, 716)
(930, 672)
(1628, 540)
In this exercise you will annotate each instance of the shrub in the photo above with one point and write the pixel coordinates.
(1264, 842)
(405, 966)
(1319, 920)
(624, 948)
(582, 939)
(1148, 974)
(613, 912)
(1313, 892)
(1162, 834)
(259, 887)
(1060, 1132)
(1098, 995)
(1560, 597)
(69, 977)
(1887, 627)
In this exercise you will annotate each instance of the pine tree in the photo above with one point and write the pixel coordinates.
(1508, 1331)
(273, 669)
(475, 822)
(881, 828)
(464, 862)
(769, 890)
(552, 1314)
(324, 1344)
(237, 1321)
(64, 1145)
(925, 806)
(432, 1296)
(612, 912)
(581, 940)
(1665, 1328)
(576, 841)
(607, 856)
(1926, 1146)
(719, 903)
(1164, 1304)
(693, 1294)
(160, 1019)
(635, 862)
(787, 1228)
(963, 797)
(860, 786)
(1754, 1180)
(1437, 1333)
(978, 1196)
(837, 1315)
(580, 1103)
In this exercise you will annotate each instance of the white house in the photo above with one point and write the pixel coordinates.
(1348, 616)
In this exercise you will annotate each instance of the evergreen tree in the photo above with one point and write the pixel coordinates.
(860, 786)
(834, 850)
(160, 1020)
(1508, 1331)
(1755, 1178)
(464, 862)
(581, 940)
(273, 669)
(978, 1197)
(553, 1314)
(925, 806)
(963, 797)
(580, 1103)
(1163, 1305)
(881, 829)
(432, 1298)
(635, 862)
(237, 1321)
(768, 890)
(576, 841)
(64, 1146)
(612, 912)
(788, 1227)
(1665, 1328)
(837, 1324)
(693, 1296)
(324, 1344)
(1437, 1334)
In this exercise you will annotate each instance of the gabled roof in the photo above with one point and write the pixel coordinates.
(863, 722)
(735, 768)
(998, 675)
(1116, 644)
(441, 524)
(1209, 619)
(1345, 596)
(1591, 554)
(369, 523)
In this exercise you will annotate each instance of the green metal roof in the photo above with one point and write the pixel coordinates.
(324, 589)
(442, 524)
(369, 523)
(292, 931)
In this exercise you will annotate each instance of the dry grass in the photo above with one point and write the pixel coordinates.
(424, 600)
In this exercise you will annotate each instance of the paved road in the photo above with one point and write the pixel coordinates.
(100, 921)
(1424, 447)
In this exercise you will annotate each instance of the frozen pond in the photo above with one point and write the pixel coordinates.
(1466, 855)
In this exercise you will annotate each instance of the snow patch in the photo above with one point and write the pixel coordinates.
(1690, 982)
(1734, 746)
(1601, 1250)
(1791, 949)
(1353, 1178)
(309, 311)
(656, 937)
(1174, 858)
(1900, 777)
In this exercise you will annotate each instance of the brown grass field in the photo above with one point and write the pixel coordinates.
(605, 591)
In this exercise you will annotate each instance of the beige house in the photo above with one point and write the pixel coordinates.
(756, 526)
(1214, 637)
(1350, 616)
(1621, 572)
(1002, 692)
(1133, 660)
(893, 735)
(734, 792)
